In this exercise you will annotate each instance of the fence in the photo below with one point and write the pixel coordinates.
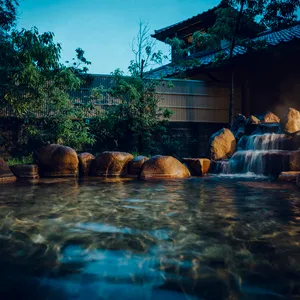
(190, 100)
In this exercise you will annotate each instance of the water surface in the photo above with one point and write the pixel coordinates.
(212, 238)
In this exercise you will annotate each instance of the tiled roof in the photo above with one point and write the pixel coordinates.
(205, 59)
(187, 20)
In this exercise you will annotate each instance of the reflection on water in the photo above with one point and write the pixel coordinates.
(212, 238)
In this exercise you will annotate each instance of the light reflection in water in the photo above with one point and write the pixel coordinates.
(213, 238)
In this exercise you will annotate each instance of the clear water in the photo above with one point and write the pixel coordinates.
(212, 238)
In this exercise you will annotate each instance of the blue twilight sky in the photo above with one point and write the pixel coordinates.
(104, 28)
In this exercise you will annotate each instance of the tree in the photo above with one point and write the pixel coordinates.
(35, 85)
(236, 23)
(138, 113)
(145, 54)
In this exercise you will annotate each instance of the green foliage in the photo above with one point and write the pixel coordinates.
(137, 114)
(35, 85)
(20, 160)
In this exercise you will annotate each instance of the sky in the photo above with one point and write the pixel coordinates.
(104, 29)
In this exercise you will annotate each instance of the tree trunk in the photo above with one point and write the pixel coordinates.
(238, 22)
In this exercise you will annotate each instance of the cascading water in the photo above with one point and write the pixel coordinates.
(264, 154)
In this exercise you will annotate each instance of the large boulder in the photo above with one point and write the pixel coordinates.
(295, 161)
(197, 166)
(222, 144)
(270, 118)
(25, 171)
(159, 166)
(85, 160)
(135, 166)
(57, 161)
(111, 163)
(291, 122)
(5, 173)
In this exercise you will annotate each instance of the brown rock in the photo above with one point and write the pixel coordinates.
(290, 176)
(57, 161)
(85, 160)
(295, 161)
(271, 118)
(292, 121)
(253, 120)
(25, 171)
(222, 144)
(135, 166)
(5, 173)
(296, 141)
(111, 163)
(159, 166)
(197, 166)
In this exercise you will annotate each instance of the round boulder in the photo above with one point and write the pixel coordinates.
(85, 160)
(291, 123)
(57, 161)
(135, 166)
(270, 118)
(111, 163)
(222, 144)
(5, 173)
(159, 166)
(25, 171)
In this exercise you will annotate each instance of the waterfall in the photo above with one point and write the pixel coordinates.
(264, 154)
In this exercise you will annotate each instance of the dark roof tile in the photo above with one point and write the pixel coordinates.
(271, 38)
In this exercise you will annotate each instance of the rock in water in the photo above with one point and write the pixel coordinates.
(253, 120)
(135, 166)
(57, 161)
(290, 176)
(159, 166)
(222, 144)
(197, 166)
(25, 171)
(111, 163)
(295, 161)
(271, 118)
(85, 160)
(291, 123)
(238, 126)
(5, 173)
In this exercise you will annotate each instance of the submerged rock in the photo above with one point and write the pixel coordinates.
(111, 163)
(238, 126)
(85, 160)
(164, 167)
(295, 161)
(222, 144)
(25, 171)
(197, 166)
(135, 166)
(57, 161)
(271, 118)
(291, 123)
(5, 173)
(290, 176)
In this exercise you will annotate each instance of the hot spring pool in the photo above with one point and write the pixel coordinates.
(212, 238)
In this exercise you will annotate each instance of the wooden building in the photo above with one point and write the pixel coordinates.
(268, 79)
